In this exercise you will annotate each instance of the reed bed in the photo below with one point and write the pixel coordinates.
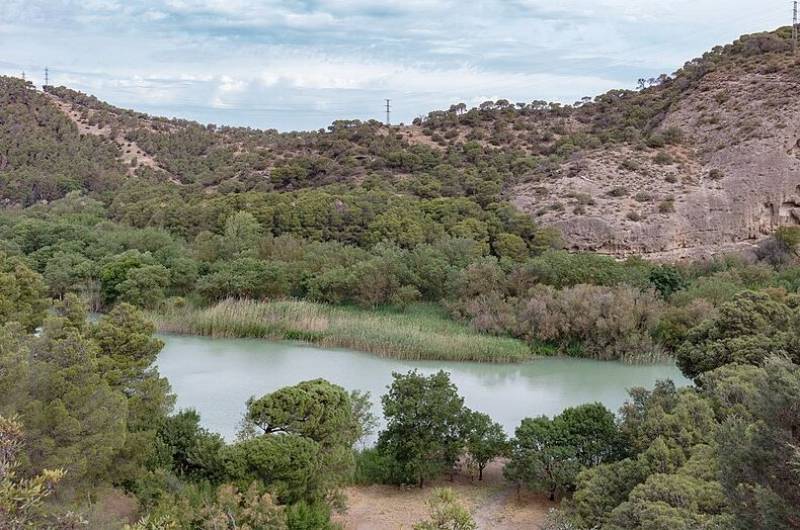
(422, 332)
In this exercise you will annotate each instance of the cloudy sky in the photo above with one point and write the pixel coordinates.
(300, 64)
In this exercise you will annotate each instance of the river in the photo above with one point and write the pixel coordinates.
(217, 376)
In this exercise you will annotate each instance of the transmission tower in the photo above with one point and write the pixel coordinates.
(794, 26)
(46, 76)
(388, 111)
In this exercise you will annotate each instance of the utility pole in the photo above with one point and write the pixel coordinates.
(23, 75)
(794, 26)
(46, 76)
(388, 111)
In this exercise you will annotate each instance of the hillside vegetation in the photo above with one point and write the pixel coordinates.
(175, 217)
(693, 163)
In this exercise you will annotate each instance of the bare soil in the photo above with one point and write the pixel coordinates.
(493, 503)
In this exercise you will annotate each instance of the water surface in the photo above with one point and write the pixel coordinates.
(217, 376)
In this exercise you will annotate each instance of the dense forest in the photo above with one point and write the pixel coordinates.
(217, 230)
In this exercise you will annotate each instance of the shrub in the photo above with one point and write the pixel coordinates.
(610, 322)
(372, 467)
(672, 136)
(307, 516)
(716, 174)
(663, 158)
(630, 165)
(655, 141)
(619, 191)
(510, 246)
(666, 206)
(634, 216)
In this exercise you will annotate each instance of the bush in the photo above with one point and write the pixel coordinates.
(634, 216)
(630, 165)
(609, 322)
(309, 516)
(655, 141)
(666, 206)
(372, 467)
(663, 158)
(619, 191)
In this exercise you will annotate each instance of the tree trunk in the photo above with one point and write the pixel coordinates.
(480, 472)
(421, 482)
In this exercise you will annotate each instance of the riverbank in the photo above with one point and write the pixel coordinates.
(422, 332)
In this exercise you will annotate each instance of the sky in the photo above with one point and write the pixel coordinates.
(301, 64)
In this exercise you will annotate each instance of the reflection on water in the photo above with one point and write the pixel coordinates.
(216, 377)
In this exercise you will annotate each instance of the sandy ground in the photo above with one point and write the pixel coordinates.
(493, 504)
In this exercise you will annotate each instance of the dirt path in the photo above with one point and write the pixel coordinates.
(493, 504)
(491, 512)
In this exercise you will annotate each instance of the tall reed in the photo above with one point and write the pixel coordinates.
(422, 332)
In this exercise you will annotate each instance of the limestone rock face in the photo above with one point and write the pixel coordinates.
(733, 179)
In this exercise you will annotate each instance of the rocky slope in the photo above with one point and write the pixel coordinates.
(701, 162)
(733, 180)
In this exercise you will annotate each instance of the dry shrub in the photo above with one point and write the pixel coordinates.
(609, 322)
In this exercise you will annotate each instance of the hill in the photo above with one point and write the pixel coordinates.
(696, 163)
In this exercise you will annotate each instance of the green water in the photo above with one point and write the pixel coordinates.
(216, 376)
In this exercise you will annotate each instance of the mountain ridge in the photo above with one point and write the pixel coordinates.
(693, 164)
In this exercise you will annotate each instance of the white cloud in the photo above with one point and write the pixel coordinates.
(335, 58)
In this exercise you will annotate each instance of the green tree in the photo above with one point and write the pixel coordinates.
(364, 419)
(510, 246)
(314, 409)
(115, 271)
(67, 272)
(746, 330)
(759, 458)
(126, 343)
(666, 279)
(22, 293)
(321, 416)
(21, 499)
(191, 450)
(484, 439)
(402, 226)
(288, 464)
(75, 420)
(424, 416)
(547, 455)
(689, 498)
(540, 460)
(242, 233)
(144, 286)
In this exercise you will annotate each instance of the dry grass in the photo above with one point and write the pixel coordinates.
(493, 503)
(422, 332)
